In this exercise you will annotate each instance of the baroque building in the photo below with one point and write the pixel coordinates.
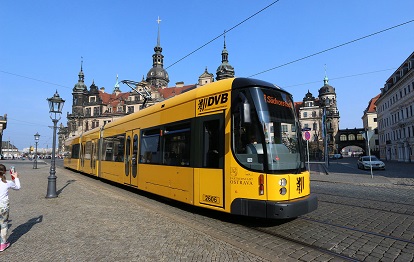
(395, 113)
(94, 107)
(320, 117)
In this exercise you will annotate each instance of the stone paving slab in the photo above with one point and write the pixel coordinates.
(94, 221)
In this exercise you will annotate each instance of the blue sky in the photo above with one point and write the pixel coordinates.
(42, 43)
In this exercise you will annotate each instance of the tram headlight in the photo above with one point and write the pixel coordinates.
(282, 182)
(283, 191)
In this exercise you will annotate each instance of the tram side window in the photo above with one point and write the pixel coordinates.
(75, 151)
(177, 145)
(113, 148)
(88, 150)
(68, 151)
(150, 147)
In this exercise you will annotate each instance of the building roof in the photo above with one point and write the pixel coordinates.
(371, 108)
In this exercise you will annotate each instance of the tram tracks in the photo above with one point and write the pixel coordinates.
(396, 208)
(335, 240)
(358, 230)
(364, 199)
(305, 244)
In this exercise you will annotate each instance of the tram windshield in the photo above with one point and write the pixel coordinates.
(265, 131)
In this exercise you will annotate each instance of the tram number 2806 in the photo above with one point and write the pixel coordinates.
(211, 199)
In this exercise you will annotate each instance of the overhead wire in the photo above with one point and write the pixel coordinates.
(34, 79)
(264, 71)
(341, 77)
(212, 40)
(329, 49)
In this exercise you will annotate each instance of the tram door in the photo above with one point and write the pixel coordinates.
(131, 158)
(94, 156)
(211, 176)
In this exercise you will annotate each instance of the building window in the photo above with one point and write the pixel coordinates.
(342, 138)
(351, 137)
(130, 109)
(96, 111)
(305, 114)
(92, 99)
(375, 119)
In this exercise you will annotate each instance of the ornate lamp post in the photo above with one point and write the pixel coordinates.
(55, 109)
(36, 136)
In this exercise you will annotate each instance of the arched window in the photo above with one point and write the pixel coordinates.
(351, 137)
(342, 138)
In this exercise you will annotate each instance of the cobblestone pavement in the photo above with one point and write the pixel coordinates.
(94, 221)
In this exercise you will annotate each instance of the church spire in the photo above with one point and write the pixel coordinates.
(80, 85)
(116, 87)
(325, 80)
(225, 70)
(224, 53)
(157, 75)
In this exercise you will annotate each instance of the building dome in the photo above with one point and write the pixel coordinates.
(326, 89)
(158, 73)
(80, 85)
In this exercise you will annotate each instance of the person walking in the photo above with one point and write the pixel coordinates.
(4, 203)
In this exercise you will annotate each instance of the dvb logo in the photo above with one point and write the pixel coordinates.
(212, 101)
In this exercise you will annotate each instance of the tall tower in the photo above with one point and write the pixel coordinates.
(79, 94)
(327, 98)
(157, 76)
(225, 70)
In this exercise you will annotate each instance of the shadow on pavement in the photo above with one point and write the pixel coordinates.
(24, 228)
(67, 184)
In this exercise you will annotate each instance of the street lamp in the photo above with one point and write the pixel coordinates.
(55, 109)
(36, 137)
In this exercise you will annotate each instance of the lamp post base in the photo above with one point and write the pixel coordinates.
(51, 187)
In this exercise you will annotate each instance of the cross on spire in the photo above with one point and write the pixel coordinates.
(158, 37)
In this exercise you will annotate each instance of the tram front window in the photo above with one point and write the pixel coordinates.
(265, 131)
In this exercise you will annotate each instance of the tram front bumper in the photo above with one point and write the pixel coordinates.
(274, 210)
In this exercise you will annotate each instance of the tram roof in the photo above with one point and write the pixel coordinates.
(221, 86)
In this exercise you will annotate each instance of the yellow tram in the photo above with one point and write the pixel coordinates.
(232, 146)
